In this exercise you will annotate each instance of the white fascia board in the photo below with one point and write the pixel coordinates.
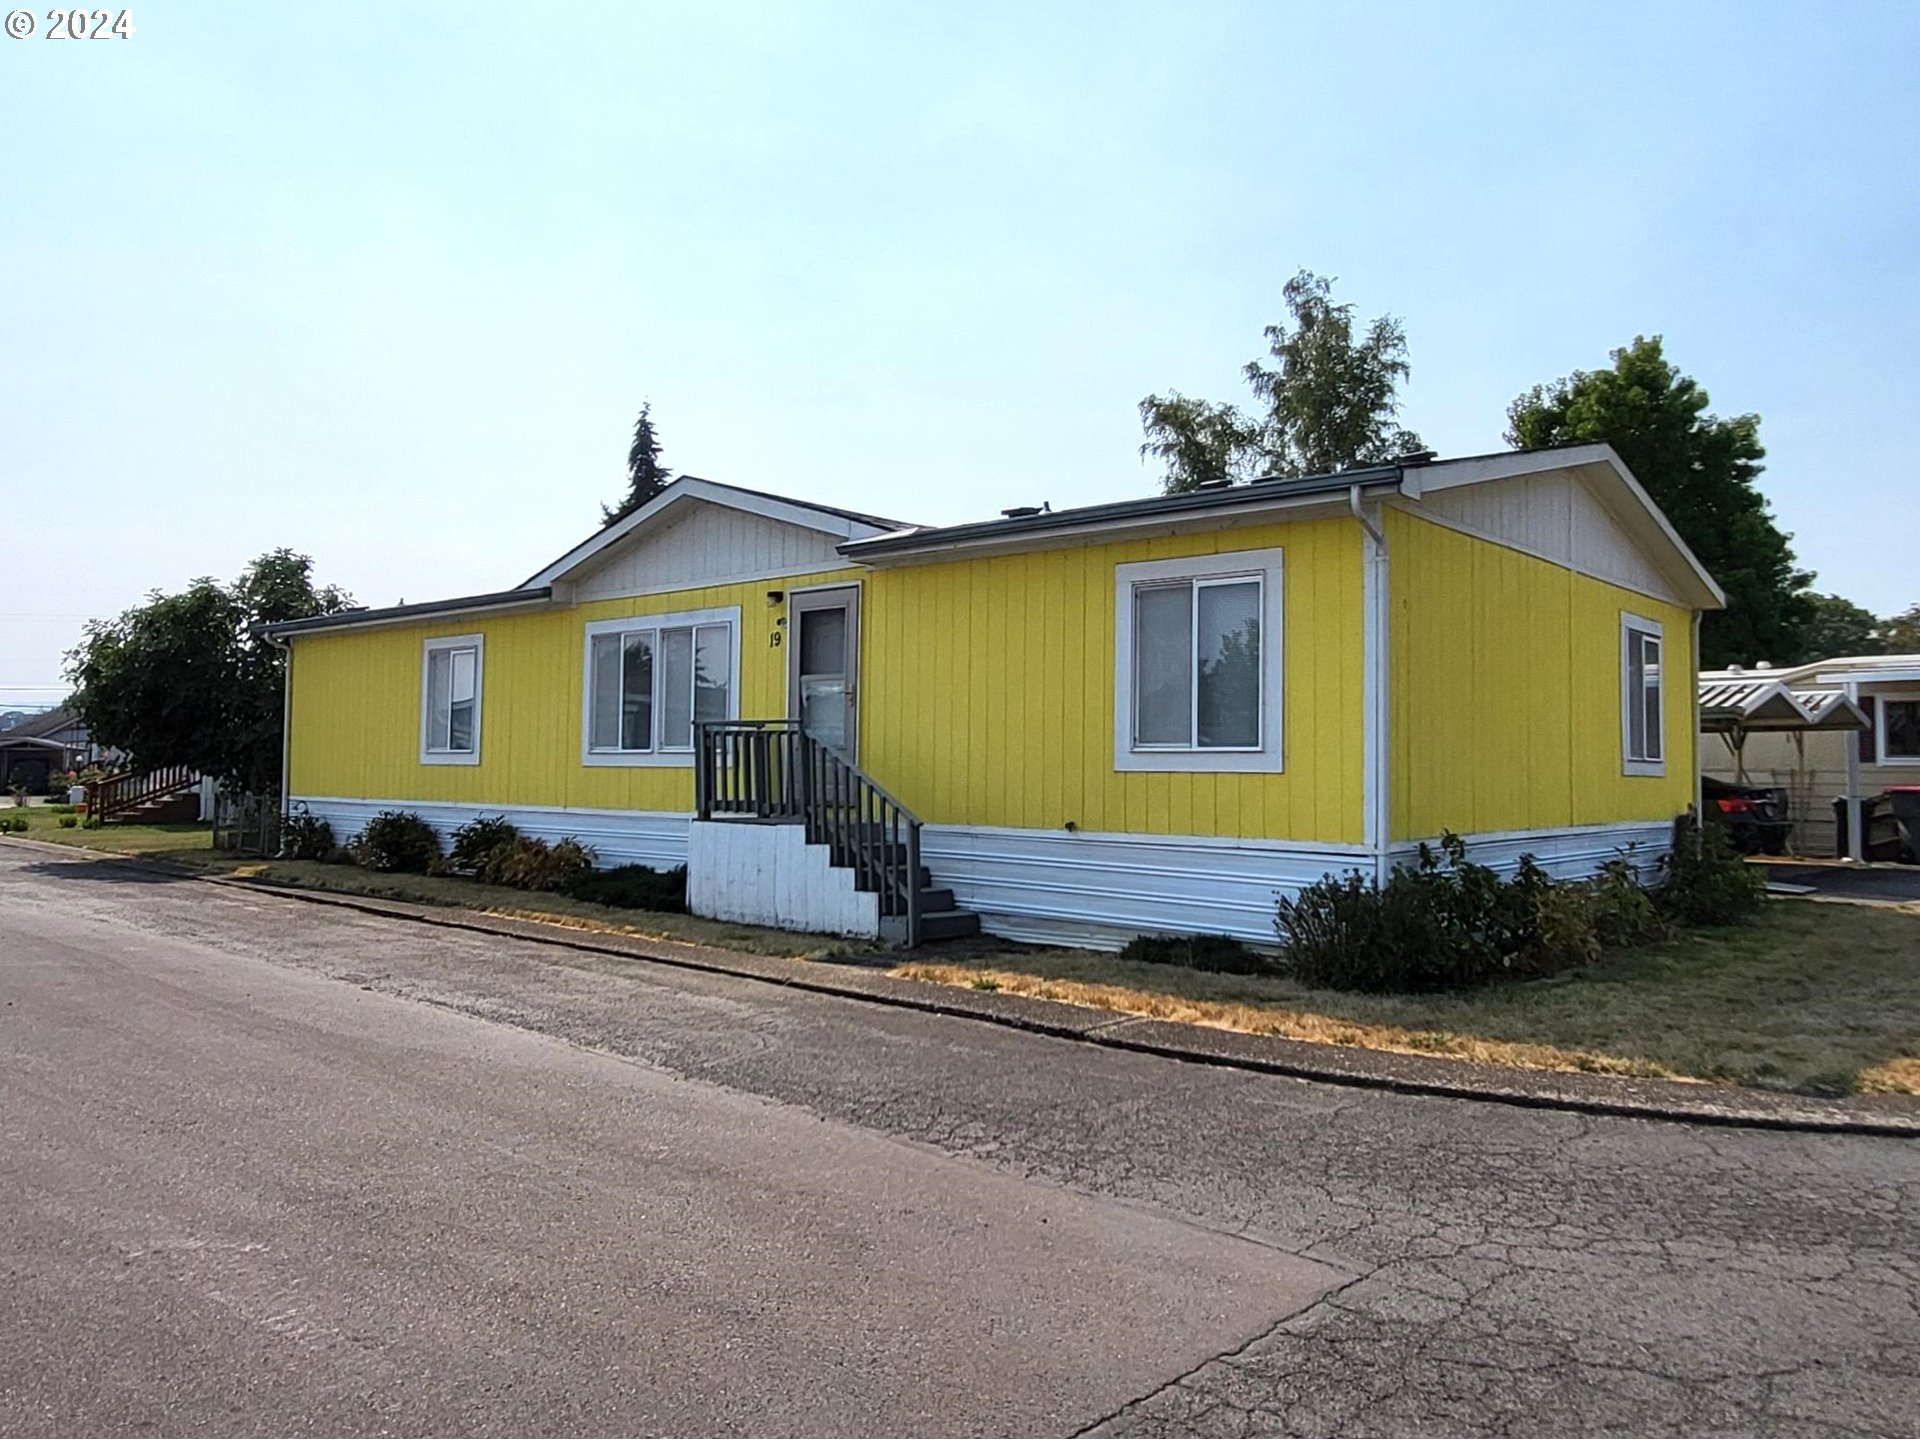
(688, 489)
(428, 618)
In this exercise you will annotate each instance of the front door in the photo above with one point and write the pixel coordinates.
(823, 683)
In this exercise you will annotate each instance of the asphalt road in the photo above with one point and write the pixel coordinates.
(273, 1167)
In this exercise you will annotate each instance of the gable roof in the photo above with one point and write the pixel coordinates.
(688, 489)
(1415, 475)
(43, 728)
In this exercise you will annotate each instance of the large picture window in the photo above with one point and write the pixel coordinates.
(450, 700)
(1197, 673)
(651, 679)
(1642, 696)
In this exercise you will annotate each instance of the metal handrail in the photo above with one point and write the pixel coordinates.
(773, 771)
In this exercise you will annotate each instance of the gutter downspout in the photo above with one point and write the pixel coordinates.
(1375, 630)
(285, 647)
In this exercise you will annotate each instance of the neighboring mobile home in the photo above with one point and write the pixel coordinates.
(1155, 715)
(1829, 759)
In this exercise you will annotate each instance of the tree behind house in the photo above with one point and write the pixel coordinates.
(1330, 401)
(185, 680)
(646, 476)
(1700, 469)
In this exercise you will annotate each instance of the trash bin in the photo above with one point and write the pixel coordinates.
(1905, 800)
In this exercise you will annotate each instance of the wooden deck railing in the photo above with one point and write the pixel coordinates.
(112, 795)
(772, 771)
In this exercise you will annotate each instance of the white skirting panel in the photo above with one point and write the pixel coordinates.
(769, 875)
(654, 838)
(1098, 891)
(1565, 854)
(1053, 887)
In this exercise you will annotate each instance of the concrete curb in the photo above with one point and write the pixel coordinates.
(1667, 1100)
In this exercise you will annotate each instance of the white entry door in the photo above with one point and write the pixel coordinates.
(823, 682)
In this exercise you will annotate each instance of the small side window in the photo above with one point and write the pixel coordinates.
(450, 700)
(1642, 696)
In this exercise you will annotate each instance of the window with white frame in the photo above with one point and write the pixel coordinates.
(450, 700)
(1897, 729)
(1642, 696)
(651, 679)
(1197, 672)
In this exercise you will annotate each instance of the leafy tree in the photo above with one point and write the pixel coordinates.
(1329, 402)
(1840, 627)
(1900, 634)
(646, 476)
(187, 680)
(1700, 469)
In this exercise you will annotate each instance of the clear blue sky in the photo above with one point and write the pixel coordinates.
(388, 282)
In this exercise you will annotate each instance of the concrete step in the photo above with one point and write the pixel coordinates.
(948, 925)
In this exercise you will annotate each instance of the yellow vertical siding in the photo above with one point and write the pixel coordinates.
(989, 693)
(355, 726)
(1505, 691)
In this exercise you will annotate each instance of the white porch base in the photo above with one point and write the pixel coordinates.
(757, 874)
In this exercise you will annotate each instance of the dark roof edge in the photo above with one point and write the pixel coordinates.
(1257, 492)
(396, 614)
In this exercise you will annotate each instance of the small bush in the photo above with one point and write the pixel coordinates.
(530, 864)
(397, 840)
(1704, 880)
(1220, 953)
(69, 822)
(60, 809)
(475, 842)
(305, 836)
(634, 887)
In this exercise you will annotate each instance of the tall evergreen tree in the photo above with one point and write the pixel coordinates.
(1700, 469)
(646, 476)
(1840, 627)
(1331, 401)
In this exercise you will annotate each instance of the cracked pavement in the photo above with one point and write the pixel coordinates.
(1504, 1270)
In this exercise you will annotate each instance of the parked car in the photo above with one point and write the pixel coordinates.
(1755, 815)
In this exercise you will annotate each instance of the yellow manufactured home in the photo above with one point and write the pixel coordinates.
(1076, 725)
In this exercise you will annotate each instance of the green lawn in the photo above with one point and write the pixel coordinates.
(1815, 997)
(1820, 998)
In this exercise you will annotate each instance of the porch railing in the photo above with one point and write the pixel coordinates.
(772, 771)
(113, 795)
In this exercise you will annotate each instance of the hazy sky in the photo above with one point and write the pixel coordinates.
(388, 282)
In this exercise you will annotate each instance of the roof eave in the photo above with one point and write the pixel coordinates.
(1067, 527)
(521, 599)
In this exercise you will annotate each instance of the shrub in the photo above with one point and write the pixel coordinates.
(397, 840)
(1704, 880)
(69, 822)
(530, 864)
(1442, 924)
(13, 824)
(1220, 953)
(62, 808)
(475, 842)
(305, 836)
(634, 887)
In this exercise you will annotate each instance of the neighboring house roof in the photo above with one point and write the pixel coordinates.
(1825, 674)
(1743, 702)
(50, 729)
